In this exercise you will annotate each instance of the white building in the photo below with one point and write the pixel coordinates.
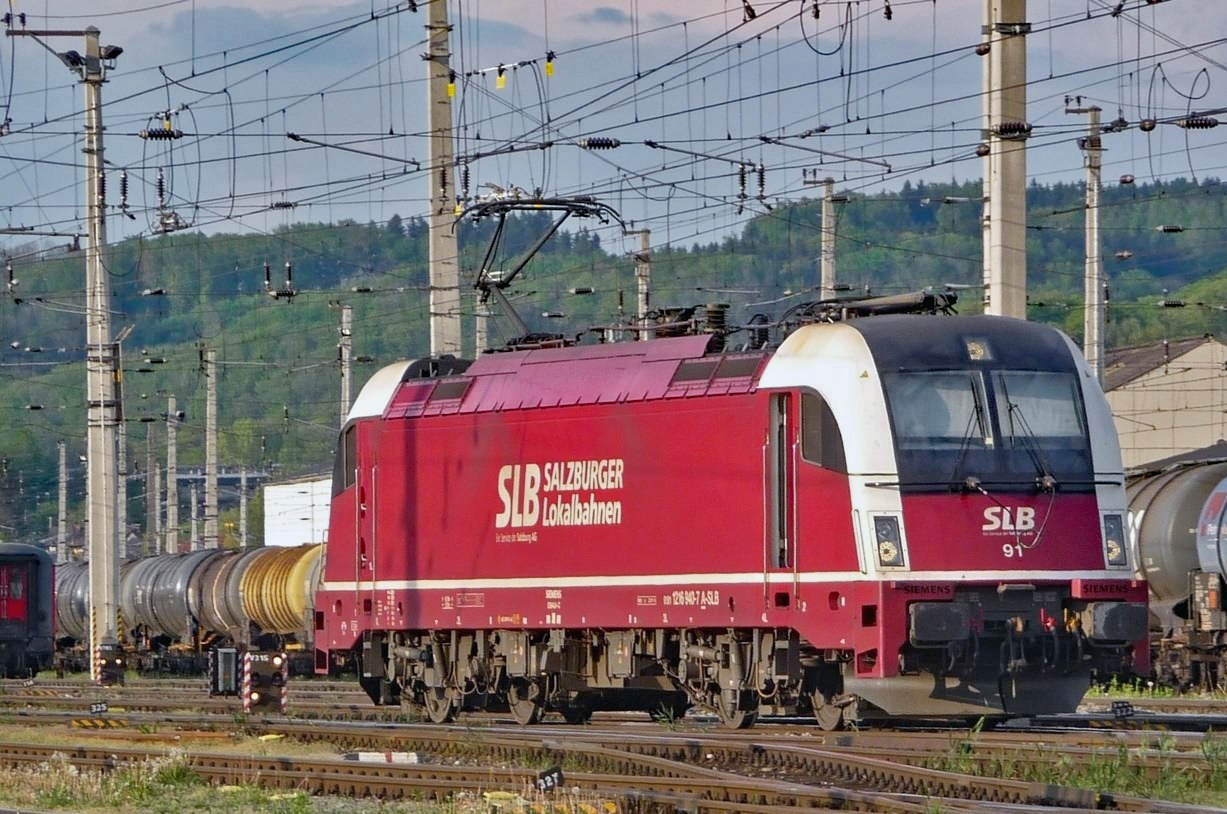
(296, 512)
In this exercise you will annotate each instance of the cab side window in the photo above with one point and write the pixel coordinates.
(821, 441)
(345, 466)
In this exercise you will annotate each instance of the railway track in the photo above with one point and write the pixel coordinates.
(646, 777)
(896, 762)
(899, 763)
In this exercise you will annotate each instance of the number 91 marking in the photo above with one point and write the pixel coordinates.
(1011, 550)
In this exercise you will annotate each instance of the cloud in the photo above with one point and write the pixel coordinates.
(604, 15)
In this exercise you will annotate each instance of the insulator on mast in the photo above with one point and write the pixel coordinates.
(268, 277)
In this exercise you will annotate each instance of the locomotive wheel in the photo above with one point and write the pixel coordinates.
(522, 697)
(731, 715)
(830, 718)
(440, 707)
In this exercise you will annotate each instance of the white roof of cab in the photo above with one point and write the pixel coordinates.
(378, 391)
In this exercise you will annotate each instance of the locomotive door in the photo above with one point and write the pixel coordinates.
(780, 476)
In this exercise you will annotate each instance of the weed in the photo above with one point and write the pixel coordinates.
(1115, 687)
(666, 715)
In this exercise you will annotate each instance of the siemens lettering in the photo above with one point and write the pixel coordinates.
(531, 493)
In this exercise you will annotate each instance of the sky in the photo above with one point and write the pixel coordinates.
(700, 95)
(695, 92)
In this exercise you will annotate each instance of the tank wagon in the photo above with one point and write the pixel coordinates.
(893, 516)
(27, 620)
(175, 606)
(1178, 519)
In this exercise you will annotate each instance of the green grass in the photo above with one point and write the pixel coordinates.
(1109, 770)
(168, 785)
(1136, 688)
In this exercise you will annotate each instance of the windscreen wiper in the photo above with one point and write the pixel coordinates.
(1046, 481)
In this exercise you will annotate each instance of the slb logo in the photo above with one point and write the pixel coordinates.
(518, 485)
(1000, 518)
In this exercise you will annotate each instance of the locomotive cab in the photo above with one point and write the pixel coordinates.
(991, 514)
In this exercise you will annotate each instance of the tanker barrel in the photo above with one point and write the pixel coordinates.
(277, 588)
(1212, 532)
(72, 599)
(1164, 510)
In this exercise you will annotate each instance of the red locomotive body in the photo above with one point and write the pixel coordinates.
(854, 525)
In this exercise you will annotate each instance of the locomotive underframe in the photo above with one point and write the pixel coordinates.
(983, 653)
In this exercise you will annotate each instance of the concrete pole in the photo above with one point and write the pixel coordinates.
(102, 482)
(986, 168)
(193, 496)
(61, 534)
(172, 478)
(481, 327)
(151, 494)
(243, 507)
(827, 290)
(156, 502)
(210, 506)
(346, 348)
(1093, 314)
(643, 282)
(1007, 134)
(441, 237)
(121, 465)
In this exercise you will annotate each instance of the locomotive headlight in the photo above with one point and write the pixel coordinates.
(1115, 547)
(889, 541)
(276, 661)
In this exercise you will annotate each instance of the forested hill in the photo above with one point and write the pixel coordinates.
(279, 382)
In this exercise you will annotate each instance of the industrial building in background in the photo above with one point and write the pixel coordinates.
(1167, 397)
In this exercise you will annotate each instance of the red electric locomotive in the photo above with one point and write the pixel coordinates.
(890, 516)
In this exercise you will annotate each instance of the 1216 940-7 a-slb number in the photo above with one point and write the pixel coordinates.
(692, 597)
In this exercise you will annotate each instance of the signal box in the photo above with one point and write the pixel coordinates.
(223, 671)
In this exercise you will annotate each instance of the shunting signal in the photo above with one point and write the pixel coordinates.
(264, 681)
